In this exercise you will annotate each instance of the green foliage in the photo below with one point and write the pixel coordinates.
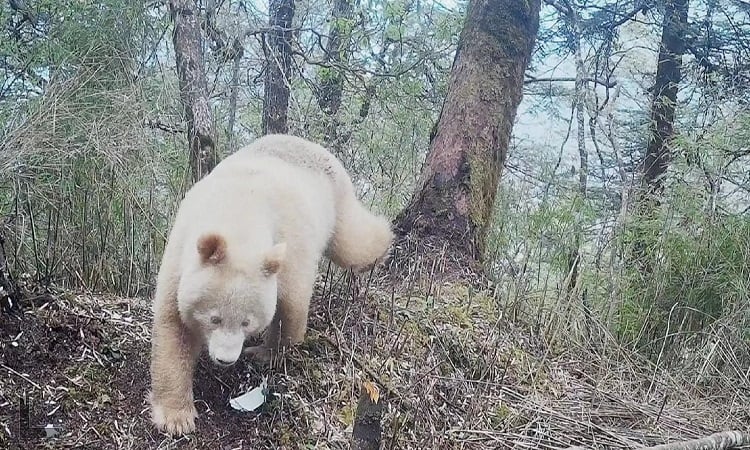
(72, 33)
(690, 272)
(82, 208)
(85, 208)
(343, 25)
(395, 10)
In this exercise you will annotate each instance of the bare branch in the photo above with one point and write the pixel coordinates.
(717, 441)
(159, 125)
(606, 83)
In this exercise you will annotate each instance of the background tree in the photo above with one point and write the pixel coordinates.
(571, 17)
(331, 74)
(336, 57)
(277, 47)
(664, 91)
(188, 49)
(662, 121)
(453, 204)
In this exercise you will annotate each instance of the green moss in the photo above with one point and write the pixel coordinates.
(90, 372)
(459, 315)
(482, 188)
(326, 74)
(500, 416)
(346, 415)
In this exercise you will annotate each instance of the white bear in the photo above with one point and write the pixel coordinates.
(242, 257)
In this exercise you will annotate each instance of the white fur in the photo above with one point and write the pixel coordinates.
(242, 256)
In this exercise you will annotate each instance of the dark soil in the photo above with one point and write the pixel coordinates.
(89, 378)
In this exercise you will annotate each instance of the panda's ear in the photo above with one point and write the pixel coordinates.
(212, 249)
(274, 259)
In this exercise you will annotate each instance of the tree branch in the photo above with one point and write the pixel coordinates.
(159, 125)
(717, 441)
(606, 83)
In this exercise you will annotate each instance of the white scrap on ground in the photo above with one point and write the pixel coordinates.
(50, 430)
(252, 399)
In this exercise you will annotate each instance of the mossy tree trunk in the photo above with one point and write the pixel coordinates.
(278, 51)
(191, 73)
(453, 203)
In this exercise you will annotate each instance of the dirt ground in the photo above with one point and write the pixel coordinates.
(452, 372)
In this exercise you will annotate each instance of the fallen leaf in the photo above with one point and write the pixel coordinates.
(372, 391)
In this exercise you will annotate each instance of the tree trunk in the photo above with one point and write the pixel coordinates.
(572, 16)
(337, 53)
(661, 126)
(668, 76)
(234, 92)
(278, 50)
(452, 205)
(193, 86)
(331, 77)
(367, 430)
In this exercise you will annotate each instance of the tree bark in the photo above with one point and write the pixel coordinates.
(331, 75)
(337, 53)
(234, 92)
(452, 205)
(278, 50)
(191, 73)
(367, 430)
(661, 126)
(668, 76)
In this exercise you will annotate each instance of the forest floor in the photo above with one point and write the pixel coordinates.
(453, 369)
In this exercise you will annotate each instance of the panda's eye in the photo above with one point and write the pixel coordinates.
(215, 320)
(245, 323)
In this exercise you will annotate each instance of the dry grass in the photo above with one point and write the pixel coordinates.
(86, 189)
(453, 370)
